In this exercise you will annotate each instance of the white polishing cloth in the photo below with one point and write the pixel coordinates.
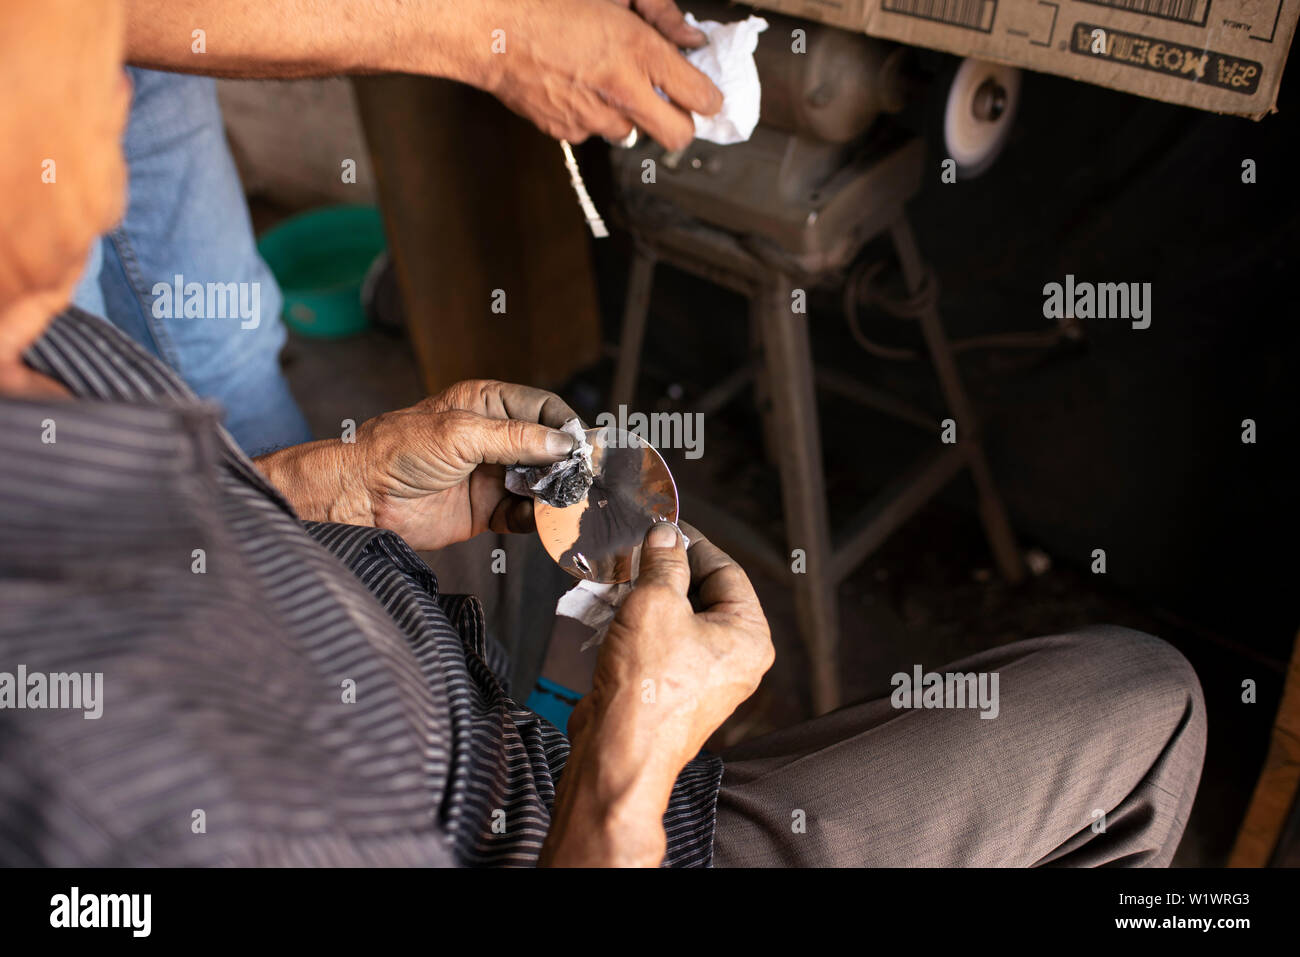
(595, 604)
(728, 60)
(516, 479)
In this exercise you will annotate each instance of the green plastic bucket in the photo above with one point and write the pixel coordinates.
(320, 259)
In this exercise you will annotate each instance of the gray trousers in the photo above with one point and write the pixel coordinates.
(1093, 758)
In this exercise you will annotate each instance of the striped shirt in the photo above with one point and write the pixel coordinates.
(274, 692)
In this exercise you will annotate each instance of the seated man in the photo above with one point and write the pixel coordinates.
(206, 660)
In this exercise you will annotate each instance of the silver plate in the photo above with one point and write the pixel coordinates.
(598, 538)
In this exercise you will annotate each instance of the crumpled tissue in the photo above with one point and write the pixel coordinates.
(595, 603)
(728, 60)
(561, 484)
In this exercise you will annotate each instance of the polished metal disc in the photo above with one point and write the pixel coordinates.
(598, 538)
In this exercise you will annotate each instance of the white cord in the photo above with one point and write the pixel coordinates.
(584, 199)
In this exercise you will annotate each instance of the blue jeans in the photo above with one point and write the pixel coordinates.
(187, 218)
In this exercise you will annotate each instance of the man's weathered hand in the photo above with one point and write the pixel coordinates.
(575, 68)
(434, 473)
(666, 679)
(684, 671)
(581, 67)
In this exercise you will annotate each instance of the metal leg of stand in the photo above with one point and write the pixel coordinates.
(993, 514)
(636, 309)
(788, 361)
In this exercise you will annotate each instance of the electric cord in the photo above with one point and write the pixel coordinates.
(859, 291)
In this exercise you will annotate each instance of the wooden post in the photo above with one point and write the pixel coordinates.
(478, 208)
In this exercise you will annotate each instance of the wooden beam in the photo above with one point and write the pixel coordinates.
(476, 200)
(1279, 781)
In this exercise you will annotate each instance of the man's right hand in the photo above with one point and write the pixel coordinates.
(575, 68)
(666, 679)
(684, 671)
(581, 67)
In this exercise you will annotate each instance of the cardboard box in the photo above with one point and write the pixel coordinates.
(1221, 55)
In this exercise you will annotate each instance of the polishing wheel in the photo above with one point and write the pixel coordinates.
(980, 111)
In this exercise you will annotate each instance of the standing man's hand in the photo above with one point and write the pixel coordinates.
(575, 68)
(578, 68)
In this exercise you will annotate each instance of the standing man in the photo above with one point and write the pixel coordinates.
(573, 67)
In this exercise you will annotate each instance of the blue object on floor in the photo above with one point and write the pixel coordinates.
(554, 702)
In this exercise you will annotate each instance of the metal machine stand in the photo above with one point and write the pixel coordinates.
(786, 378)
